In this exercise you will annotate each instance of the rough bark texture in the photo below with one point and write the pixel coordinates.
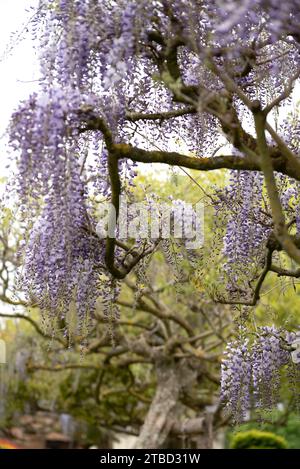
(205, 438)
(158, 422)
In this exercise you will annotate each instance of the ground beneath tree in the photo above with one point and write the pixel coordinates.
(38, 431)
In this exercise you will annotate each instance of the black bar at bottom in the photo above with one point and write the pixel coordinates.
(134, 458)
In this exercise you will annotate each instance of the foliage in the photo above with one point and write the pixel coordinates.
(256, 439)
(284, 424)
(111, 389)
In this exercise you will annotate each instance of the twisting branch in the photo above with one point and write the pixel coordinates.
(119, 272)
(273, 162)
(281, 231)
(35, 325)
(291, 160)
(285, 93)
(284, 272)
(177, 159)
(160, 116)
(256, 294)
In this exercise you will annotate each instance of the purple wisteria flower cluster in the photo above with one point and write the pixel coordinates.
(125, 63)
(244, 233)
(240, 203)
(41, 131)
(243, 13)
(251, 370)
(60, 257)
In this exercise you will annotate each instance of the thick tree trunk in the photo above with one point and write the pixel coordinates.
(158, 421)
(205, 438)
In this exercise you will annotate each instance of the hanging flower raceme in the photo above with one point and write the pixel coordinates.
(241, 13)
(39, 132)
(244, 235)
(81, 25)
(247, 226)
(94, 36)
(60, 258)
(296, 346)
(268, 357)
(236, 378)
(251, 370)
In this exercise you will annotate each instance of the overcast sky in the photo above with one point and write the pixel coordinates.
(19, 67)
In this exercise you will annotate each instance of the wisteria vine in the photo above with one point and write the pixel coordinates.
(251, 370)
(121, 81)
